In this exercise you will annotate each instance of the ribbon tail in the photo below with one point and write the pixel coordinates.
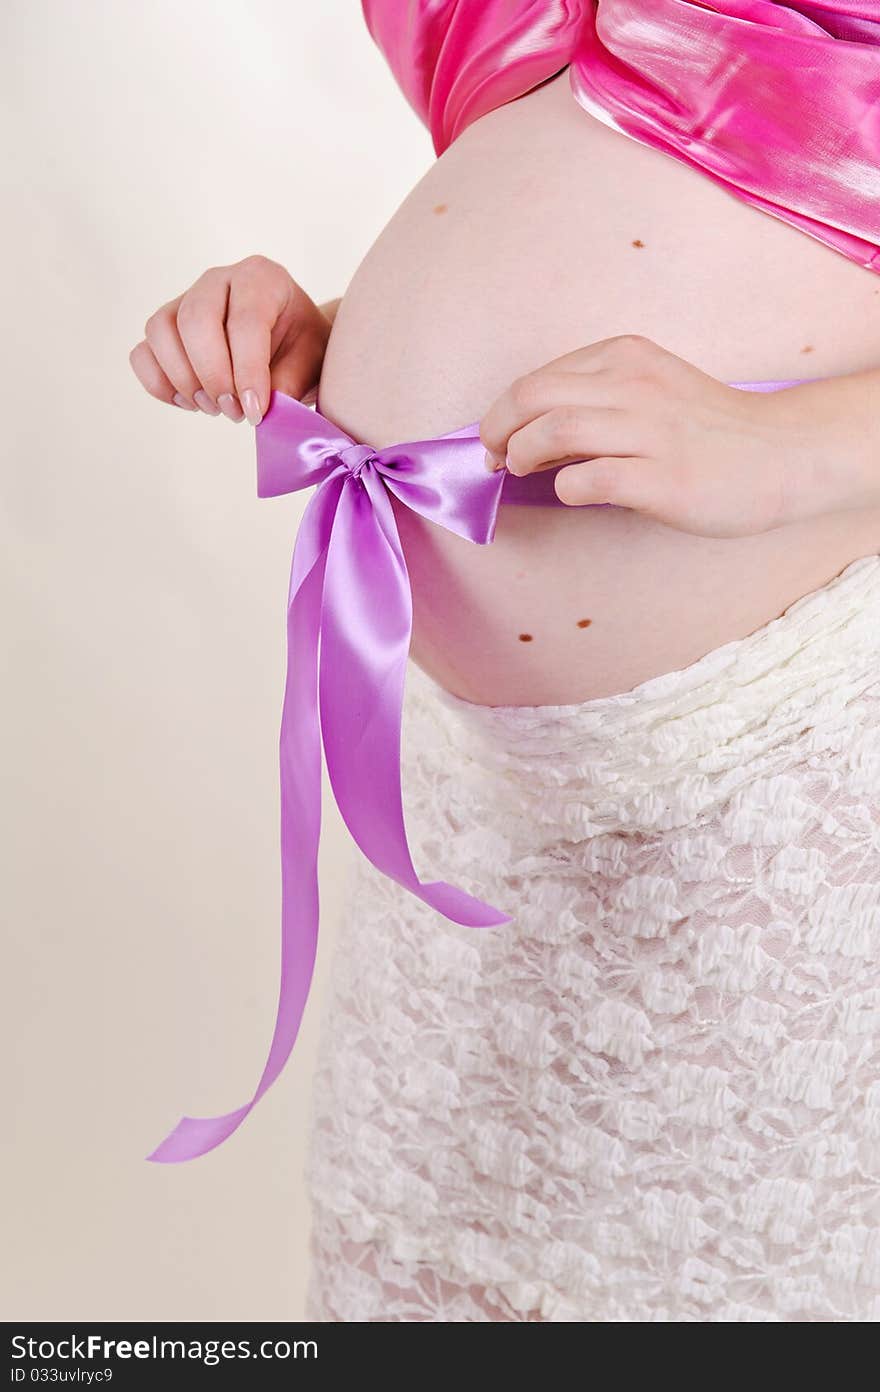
(365, 638)
(300, 761)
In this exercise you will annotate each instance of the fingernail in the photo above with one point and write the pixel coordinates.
(229, 406)
(251, 403)
(182, 402)
(493, 464)
(204, 403)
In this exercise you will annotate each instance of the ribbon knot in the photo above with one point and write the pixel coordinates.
(356, 458)
(349, 623)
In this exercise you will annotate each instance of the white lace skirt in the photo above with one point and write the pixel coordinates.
(656, 1094)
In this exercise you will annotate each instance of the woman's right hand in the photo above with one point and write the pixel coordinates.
(236, 334)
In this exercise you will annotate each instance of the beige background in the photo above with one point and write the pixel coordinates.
(143, 652)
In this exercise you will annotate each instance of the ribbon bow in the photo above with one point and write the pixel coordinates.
(349, 621)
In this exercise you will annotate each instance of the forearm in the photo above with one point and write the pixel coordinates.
(833, 428)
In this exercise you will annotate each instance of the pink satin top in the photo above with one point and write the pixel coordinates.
(778, 103)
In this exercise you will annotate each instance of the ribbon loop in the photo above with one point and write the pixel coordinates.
(349, 626)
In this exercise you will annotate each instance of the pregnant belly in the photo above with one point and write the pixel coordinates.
(539, 231)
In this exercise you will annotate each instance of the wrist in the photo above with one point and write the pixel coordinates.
(825, 438)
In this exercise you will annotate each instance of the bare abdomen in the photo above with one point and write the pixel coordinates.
(540, 231)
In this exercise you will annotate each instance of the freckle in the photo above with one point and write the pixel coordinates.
(525, 637)
(808, 348)
(440, 207)
(584, 623)
(638, 242)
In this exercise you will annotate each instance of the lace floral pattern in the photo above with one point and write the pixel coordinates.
(655, 1095)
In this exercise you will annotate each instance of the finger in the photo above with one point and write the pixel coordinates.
(615, 353)
(632, 482)
(568, 433)
(532, 396)
(151, 377)
(296, 369)
(200, 323)
(258, 298)
(163, 337)
(602, 367)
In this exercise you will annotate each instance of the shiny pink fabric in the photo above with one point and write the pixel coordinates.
(779, 103)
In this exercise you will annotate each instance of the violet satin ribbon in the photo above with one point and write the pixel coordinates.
(349, 621)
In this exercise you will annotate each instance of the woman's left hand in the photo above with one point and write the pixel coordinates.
(655, 434)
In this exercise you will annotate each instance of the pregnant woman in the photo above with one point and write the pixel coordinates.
(644, 265)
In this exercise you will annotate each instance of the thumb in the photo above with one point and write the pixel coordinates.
(295, 369)
(631, 482)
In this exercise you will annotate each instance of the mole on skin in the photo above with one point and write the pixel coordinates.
(808, 348)
(441, 207)
(581, 623)
(638, 243)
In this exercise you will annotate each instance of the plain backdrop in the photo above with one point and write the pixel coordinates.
(143, 606)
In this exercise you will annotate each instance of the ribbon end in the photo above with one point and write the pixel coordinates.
(194, 1136)
(461, 907)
